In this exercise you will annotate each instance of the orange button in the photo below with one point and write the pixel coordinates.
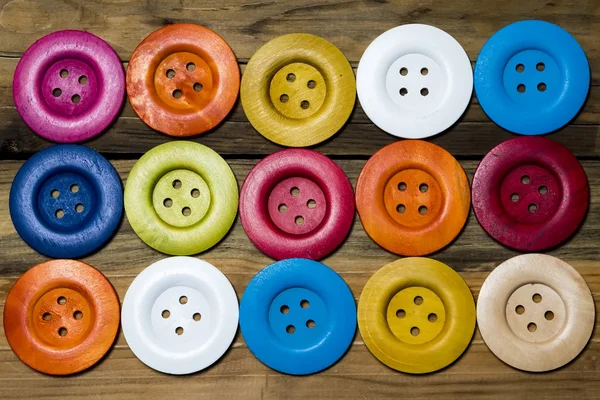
(61, 317)
(412, 197)
(183, 80)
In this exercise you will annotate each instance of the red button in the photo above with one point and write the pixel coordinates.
(297, 203)
(530, 193)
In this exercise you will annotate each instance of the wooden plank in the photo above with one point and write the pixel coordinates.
(473, 250)
(473, 136)
(248, 25)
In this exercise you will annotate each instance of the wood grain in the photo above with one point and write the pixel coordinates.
(358, 375)
(246, 25)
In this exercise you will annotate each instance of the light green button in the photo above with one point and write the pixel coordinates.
(181, 198)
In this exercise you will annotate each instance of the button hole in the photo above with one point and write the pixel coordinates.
(191, 67)
(83, 80)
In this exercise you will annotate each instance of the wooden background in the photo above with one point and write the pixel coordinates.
(246, 25)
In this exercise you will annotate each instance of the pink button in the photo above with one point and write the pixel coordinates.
(69, 86)
(297, 203)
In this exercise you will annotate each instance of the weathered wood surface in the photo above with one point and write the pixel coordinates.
(246, 25)
(358, 375)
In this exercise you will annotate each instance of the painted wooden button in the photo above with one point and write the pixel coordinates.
(416, 315)
(298, 316)
(180, 315)
(532, 77)
(181, 198)
(530, 193)
(297, 203)
(298, 90)
(66, 201)
(412, 197)
(61, 317)
(414, 81)
(69, 86)
(183, 80)
(535, 312)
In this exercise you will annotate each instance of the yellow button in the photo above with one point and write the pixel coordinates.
(298, 90)
(416, 315)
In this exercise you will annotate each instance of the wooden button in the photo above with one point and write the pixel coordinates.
(530, 193)
(180, 315)
(412, 197)
(297, 203)
(183, 80)
(298, 90)
(416, 315)
(298, 316)
(69, 86)
(535, 312)
(181, 198)
(66, 201)
(532, 77)
(414, 81)
(61, 317)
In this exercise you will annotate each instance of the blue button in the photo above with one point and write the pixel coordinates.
(532, 77)
(66, 201)
(298, 316)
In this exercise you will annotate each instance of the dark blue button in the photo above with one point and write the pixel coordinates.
(66, 201)
(298, 316)
(532, 77)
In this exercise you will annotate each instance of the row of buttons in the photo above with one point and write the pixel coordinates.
(413, 81)
(297, 202)
(297, 316)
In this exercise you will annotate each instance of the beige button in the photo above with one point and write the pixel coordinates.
(535, 312)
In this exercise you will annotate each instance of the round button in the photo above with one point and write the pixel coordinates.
(297, 203)
(530, 193)
(69, 86)
(416, 315)
(66, 201)
(183, 80)
(535, 312)
(298, 316)
(414, 81)
(180, 315)
(412, 197)
(532, 77)
(298, 90)
(61, 317)
(181, 198)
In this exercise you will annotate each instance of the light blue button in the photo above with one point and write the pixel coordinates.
(532, 77)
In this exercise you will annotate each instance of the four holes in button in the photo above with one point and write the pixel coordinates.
(76, 98)
(532, 326)
(283, 208)
(415, 331)
(77, 315)
(291, 329)
(423, 188)
(304, 104)
(521, 88)
(404, 91)
(183, 300)
(186, 211)
(197, 86)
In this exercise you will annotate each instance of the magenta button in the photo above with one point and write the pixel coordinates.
(69, 86)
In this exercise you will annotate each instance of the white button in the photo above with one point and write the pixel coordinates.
(414, 81)
(180, 315)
